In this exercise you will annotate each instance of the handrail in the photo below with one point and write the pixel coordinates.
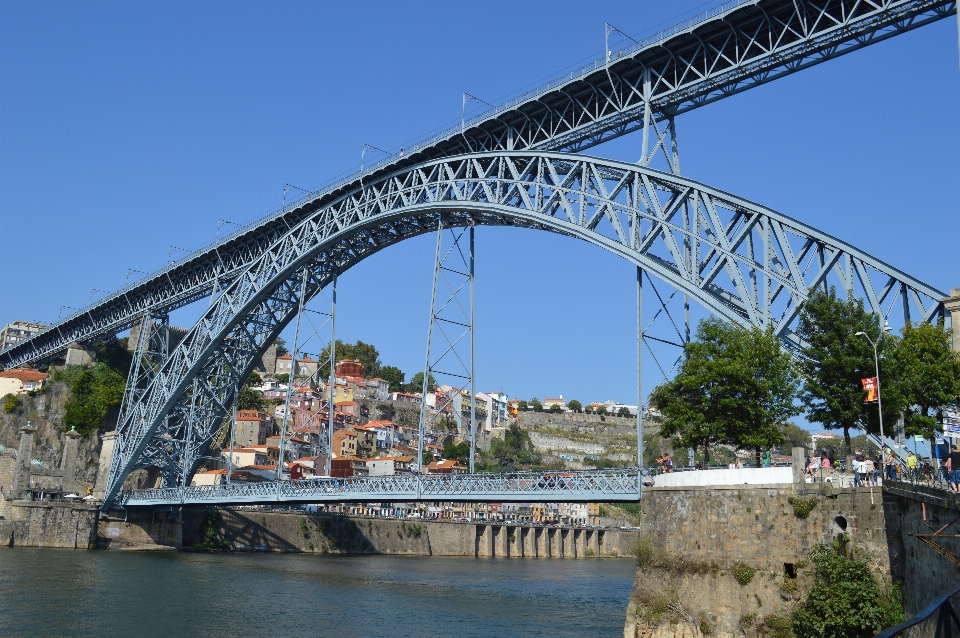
(946, 615)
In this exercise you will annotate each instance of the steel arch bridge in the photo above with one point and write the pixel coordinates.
(740, 260)
(736, 46)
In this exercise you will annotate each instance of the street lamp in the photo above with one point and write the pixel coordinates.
(876, 363)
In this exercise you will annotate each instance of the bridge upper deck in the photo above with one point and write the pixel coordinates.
(731, 48)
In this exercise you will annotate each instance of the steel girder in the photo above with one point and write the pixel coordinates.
(740, 260)
(732, 48)
(538, 487)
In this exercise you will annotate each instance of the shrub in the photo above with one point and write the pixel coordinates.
(802, 506)
(789, 585)
(648, 556)
(779, 626)
(10, 403)
(208, 533)
(743, 573)
(303, 528)
(846, 599)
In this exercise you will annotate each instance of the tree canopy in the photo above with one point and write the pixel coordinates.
(927, 375)
(575, 405)
(835, 360)
(366, 353)
(416, 383)
(394, 376)
(735, 386)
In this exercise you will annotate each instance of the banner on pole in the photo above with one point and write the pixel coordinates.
(870, 387)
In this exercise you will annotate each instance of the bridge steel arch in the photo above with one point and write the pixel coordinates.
(731, 48)
(740, 260)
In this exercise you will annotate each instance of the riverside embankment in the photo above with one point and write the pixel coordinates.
(44, 524)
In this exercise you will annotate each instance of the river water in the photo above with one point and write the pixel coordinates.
(46, 592)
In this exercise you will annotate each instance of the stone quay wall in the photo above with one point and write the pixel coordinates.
(45, 524)
(698, 535)
(251, 529)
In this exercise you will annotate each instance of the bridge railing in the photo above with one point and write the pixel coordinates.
(938, 619)
(613, 484)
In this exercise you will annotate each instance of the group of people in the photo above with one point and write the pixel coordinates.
(664, 464)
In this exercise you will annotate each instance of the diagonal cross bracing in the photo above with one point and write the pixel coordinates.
(732, 48)
(225, 343)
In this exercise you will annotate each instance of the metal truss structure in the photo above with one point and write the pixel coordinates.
(732, 48)
(453, 361)
(740, 260)
(538, 487)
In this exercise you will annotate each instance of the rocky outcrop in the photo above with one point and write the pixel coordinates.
(45, 412)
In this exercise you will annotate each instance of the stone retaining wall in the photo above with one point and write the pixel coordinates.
(265, 530)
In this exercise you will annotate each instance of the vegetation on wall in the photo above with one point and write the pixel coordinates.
(846, 600)
(95, 389)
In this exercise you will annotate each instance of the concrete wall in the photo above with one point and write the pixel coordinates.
(266, 530)
(743, 476)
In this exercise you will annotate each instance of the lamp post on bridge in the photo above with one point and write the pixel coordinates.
(876, 363)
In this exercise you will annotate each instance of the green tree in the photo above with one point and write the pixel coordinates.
(623, 412)
(835, 361)
(253, 379)
(281, 344)
(601, 409)
(735, 386)
(928, 371)
(536, 405)
(575, 405)
(522, 405)
(846, 600)
(416, 383)
(427, 460)
(555, 408)
(249, 399)
(366, 353)
(794, 436)
(459, 452)
(394, 376)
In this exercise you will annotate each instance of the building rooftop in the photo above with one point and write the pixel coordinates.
(24, 374)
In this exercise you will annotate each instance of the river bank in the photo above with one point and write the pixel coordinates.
(61, 525)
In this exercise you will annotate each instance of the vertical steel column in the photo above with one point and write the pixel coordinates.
(639, 370)
(293, 369)
(426, 366)
(233, 427)
(647, 91)
(186, 459)
(473, 364)
(331, 388)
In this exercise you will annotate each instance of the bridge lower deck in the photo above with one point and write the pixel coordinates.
(621, 485)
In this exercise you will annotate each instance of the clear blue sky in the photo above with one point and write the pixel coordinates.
(127, 128)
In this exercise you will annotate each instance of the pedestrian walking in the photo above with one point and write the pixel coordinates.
(765, 459)
(856, 472)
(954, 461)
(911, 466)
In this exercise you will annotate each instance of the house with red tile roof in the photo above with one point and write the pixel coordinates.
(21, 380)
